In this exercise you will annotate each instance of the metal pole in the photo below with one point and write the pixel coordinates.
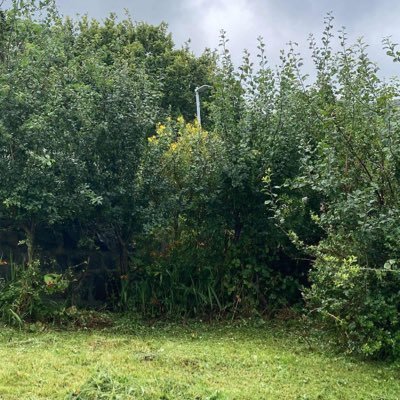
(198, 106)
(197, 92)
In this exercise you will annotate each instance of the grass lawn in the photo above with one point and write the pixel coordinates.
(195, 361)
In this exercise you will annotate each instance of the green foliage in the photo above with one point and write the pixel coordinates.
(348, 178)
(194, 258)
(78, 100)
(361, 304)
(28, 296)
(94, 136)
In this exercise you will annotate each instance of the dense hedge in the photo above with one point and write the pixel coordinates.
(288, 173)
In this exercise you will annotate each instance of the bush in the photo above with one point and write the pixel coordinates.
(28, 296)
(362, 305)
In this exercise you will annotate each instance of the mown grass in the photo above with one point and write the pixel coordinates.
(195, 361)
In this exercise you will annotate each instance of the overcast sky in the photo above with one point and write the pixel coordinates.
(278, 21)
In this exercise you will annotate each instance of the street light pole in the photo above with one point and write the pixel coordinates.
(197, 91)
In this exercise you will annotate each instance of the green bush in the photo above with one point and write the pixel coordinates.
(362, 305)
(28, 295)
(188, 283)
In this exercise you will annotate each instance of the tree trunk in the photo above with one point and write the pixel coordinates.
(30, 242)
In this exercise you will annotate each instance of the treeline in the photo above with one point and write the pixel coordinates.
(288, 194)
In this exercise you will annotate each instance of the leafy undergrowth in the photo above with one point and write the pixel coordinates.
(246, 360)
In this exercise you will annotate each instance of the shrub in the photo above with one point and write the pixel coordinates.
(28, 296)
(362, 305)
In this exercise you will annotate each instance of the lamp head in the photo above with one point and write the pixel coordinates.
(202, 88)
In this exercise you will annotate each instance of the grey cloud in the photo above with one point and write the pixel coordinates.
(152, 11)
(278, 21)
